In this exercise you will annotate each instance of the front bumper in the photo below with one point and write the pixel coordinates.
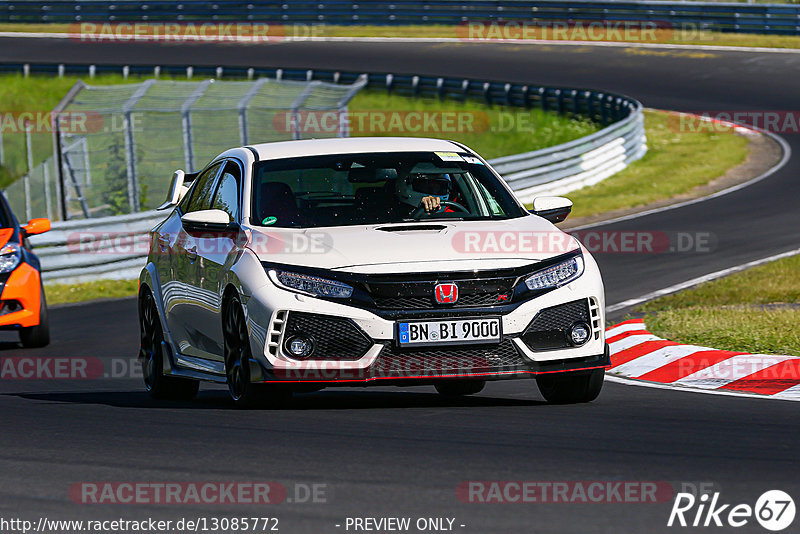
(373, 357)
(20, 299)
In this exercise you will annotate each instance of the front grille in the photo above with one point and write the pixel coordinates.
(419, 295)
(334, 338)
(422, 303)
(431, 362)
(549, 329)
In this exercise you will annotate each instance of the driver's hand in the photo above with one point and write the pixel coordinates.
(432, 204)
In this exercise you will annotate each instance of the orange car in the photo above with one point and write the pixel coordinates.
(22, 302)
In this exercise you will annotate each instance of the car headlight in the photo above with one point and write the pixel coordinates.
(10, 256)
(557, 275)
(312, 285)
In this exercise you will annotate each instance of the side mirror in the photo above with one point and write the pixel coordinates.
(554, 209)
(209, 220)
(37, 226)
(176, 190)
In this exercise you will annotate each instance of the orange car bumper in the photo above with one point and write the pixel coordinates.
(21, 298)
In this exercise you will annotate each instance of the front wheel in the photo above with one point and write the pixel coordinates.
(245, 394)
(157, 384)
(571, 388)
(39, 335)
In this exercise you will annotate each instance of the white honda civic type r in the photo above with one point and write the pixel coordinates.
(298, 265)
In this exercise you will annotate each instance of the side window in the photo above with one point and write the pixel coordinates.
(200, 195)
(227, 196)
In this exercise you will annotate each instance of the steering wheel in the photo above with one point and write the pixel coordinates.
(417, 213)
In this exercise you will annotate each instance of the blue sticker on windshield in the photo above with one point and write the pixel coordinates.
(269, 220)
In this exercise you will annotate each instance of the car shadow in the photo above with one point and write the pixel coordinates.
(10, 345)
(322, 400)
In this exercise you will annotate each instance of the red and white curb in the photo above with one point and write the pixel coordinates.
(638, 354)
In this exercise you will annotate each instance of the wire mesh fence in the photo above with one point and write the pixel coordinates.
(116, 146)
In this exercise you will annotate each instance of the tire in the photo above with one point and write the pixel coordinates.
(243, 392)
(571, 388)
(151, 352)
(39, 335)
(457, 388)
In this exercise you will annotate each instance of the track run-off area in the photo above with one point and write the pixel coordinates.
(389, 452)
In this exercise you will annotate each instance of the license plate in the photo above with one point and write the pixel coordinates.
(449, 332)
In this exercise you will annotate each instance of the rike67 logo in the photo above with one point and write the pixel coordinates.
(774, 510)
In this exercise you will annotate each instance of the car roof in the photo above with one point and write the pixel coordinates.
(352, 145)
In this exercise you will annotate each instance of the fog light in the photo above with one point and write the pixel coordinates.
(579, 334)
(299, 346)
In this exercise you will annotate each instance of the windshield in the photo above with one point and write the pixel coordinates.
(354, 189)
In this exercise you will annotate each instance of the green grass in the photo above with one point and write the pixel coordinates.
(100, 289)
(756, 311)
(661, 36)
(492, 132)
(675, 163)
(32, 94)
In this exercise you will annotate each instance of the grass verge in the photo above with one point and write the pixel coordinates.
(688, 36)
(675, 163)
(100, 289)
(756, 311)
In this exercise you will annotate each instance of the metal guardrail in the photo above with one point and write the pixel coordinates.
(740, 17)
(93, 249)
(586, 161)
(554, 170)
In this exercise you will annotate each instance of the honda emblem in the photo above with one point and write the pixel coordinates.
(446, 293)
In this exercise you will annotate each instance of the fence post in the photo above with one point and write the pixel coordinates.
(186, 122)
(27, 179)
(298, 102)
(130, 144)
(61, 190)
(242, 107)
(341, 104)
(130, 160)
(2, 152)
(47, 193)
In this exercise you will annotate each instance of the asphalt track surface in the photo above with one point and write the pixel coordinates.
(403, 452)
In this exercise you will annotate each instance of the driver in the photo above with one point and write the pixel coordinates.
(425, 190)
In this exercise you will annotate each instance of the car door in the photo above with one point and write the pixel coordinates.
(216, 250)
(164, 254)
(184, 255)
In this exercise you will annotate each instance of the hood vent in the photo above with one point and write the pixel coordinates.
(413, 228)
